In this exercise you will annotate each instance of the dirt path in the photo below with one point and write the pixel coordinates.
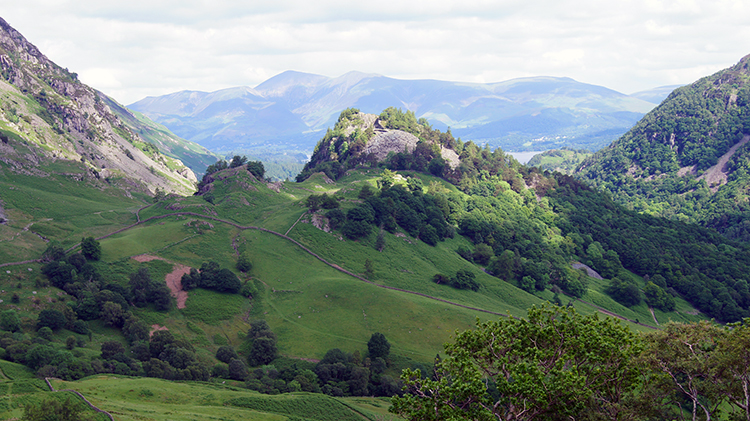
(173, 279)
(653, 315)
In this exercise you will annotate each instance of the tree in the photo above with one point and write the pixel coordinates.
(237, 369)
(262, 351)
(225, 354)
(378, 346)
(464, 279)
(555, 365)
(52, 319)
(237, 161)
(263, 346)
(90, 248)
(112, 314)
(257, 169)
(243, 263)
(111, 348)
(700, 366)
(10, 321)
(386, 180)
(733, 359)
(56, 410)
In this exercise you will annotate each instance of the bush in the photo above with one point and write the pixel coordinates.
(52, 319)
(464, 279)
(90, 248)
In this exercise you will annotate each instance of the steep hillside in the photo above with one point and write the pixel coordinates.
(194, 156)
(47, 109)
(687, 159)
(290, 111)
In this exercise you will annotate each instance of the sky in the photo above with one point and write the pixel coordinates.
(134, 49)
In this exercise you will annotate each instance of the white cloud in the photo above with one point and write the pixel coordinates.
(137, 48)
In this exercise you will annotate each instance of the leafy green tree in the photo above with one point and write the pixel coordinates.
(482, 254)
(257, 169)
(45, 333)
(624, 291)
(111, 348)
(365, 191)
(237, 161)
(56, 410)
(53, 252)
(386, 180)
(733, 359)
(657, 297)
(112, 314)
(369, 269)
(378, 346)
(464, 279)
(380, 241)
(10, 321)
(52, 319)
(243, 263)
(237, 369)
(262, 351)
(225, 354)
(685, 356)
(263, 343)
(90, 248)
(555, 365)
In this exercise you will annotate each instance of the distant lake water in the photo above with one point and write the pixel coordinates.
(524, 157)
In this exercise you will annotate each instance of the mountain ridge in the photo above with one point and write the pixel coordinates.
(293, 107)
(46, 106)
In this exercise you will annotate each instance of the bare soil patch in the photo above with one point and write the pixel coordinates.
(173, 279)
(154, 328)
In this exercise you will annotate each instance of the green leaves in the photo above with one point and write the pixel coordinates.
(556, 364)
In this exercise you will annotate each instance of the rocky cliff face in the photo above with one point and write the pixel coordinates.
(46, 108)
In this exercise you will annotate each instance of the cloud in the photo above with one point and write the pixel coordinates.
(138, 48)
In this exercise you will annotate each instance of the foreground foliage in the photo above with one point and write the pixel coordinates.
(559, 365)
(556, 364)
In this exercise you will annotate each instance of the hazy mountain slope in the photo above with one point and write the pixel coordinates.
(193, 155)
(655, 95)
(46, 106)
(520, 114)
(687, 158)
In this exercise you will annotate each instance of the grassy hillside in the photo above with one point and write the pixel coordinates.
(128, 398)
(563, 160)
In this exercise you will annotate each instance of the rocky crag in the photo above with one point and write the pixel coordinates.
(47, 114)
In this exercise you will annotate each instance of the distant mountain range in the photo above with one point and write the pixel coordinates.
(291, 111)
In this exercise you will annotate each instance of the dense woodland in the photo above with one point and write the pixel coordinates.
(660, 166)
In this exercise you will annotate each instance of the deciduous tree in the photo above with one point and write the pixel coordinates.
(555, 365)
